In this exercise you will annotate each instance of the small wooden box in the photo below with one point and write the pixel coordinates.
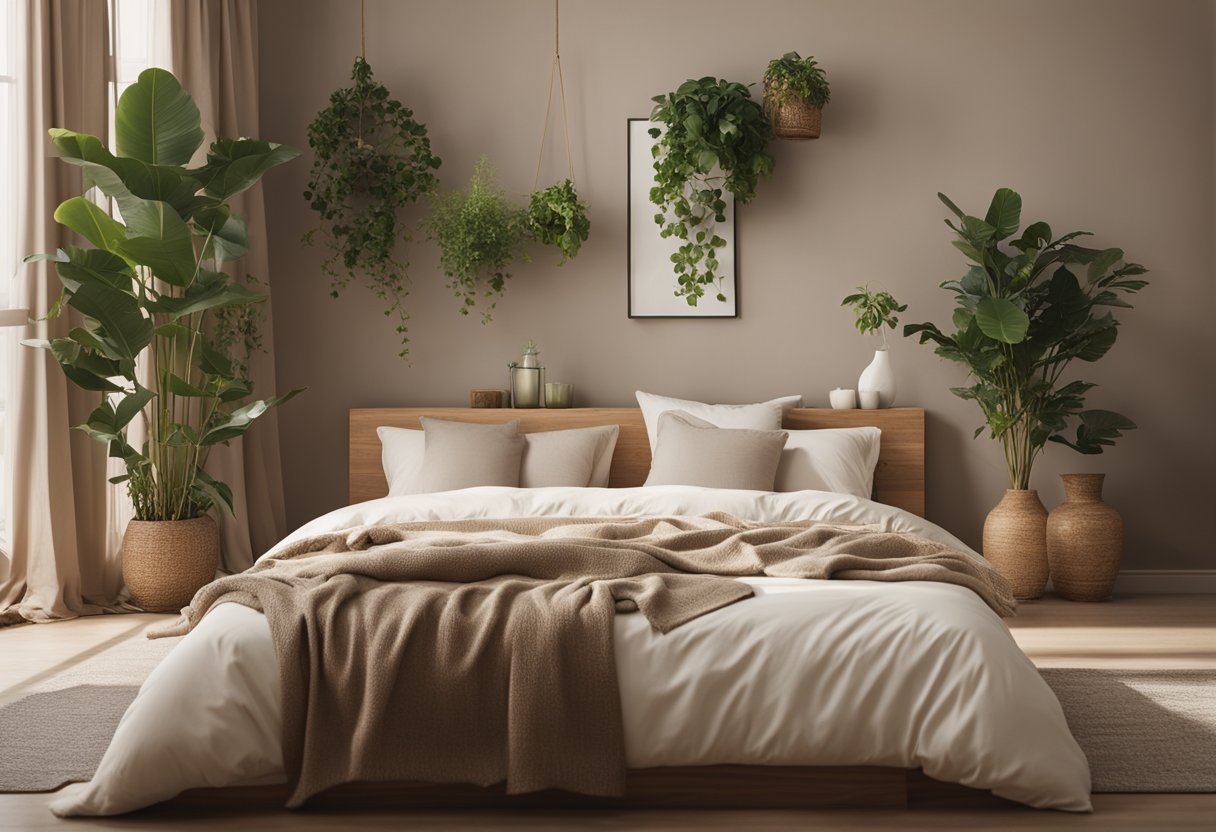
(485, 398)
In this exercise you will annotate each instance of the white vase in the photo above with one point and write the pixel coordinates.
(879, 378)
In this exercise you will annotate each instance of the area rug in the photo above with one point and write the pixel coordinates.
(1142, 730)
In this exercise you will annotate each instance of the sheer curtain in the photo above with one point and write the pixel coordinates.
(63, 562)
(213, 49)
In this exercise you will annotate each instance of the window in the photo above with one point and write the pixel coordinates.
(10, 258)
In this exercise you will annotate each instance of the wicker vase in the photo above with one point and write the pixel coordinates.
(164, 562)
(1084, 541)
(1015, 541)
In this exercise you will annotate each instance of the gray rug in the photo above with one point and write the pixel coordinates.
(1143, 731)
(58, 737)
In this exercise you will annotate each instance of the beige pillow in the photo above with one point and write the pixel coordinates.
(578, 457)
(761, 416)
(692, 451)
(465, 455)
(544, 461)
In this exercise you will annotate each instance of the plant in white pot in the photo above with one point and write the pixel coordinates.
(874, 312)
(154, 306)
(1022, 315)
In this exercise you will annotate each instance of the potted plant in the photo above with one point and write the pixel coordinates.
(372, 158)
(795, 92)
(713, 141)
(558, 218)
(875, 312)
(1024, 311)
(148, 291)
(480, 233)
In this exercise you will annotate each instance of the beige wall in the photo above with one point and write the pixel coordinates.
(1100, 113)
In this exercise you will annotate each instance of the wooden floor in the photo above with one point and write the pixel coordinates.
(1136, 632)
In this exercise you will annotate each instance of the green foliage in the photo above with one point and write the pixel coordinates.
(794, 78)
(556, 217)
(873, 311)
(480, 233)
(372, 159)
(151, 287)
(714, 141)
(1023, 313)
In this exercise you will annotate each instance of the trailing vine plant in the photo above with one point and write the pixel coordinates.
(480, 232)
(713, 142)
(372, 159)
(795, 78)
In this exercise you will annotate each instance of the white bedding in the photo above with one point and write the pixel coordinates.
(913, 674)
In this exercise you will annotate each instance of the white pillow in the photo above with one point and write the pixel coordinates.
(762, 416)
(830, 459)
(551, 457)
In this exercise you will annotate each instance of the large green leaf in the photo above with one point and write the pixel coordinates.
(231, 425)
(82, 265)
(118, 314)
(157, 121)
(92, 223)
(234, 165)
(160, 240)
(1001, 320)
(120, 177)
(225, 232)
(1005, 212)
(208, 296)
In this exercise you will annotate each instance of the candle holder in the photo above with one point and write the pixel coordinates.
(526, 378)
(559, 394)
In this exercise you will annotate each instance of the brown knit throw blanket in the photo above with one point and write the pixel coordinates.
(481, 651)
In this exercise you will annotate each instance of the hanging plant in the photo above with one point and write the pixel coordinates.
(556, 217)
(713, 142)
(480, 233)
(795, 92)
(372, 159)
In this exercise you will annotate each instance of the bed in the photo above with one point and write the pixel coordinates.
(811, 694)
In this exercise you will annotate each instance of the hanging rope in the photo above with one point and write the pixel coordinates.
(362, 33)
(555, 69)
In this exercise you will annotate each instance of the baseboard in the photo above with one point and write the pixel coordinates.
(1166, 582)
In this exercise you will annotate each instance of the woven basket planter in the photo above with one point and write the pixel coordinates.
(1015, 542)
(1084, 541)
(164, 562)
(793, 119)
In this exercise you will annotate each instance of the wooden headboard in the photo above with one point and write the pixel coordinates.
(899, 479)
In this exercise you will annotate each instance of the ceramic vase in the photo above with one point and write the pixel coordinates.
(879, 378)
(1015, 542)
(1084, 541)
(164, 562)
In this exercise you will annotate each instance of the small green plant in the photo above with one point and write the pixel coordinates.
(372, 159)
(1021, 316)
(480, 233)
(794, 78)
(713, 142)
(556, 217)
(874, 311)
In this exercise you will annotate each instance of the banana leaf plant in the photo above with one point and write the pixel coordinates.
(148, 290)
(1023, 313)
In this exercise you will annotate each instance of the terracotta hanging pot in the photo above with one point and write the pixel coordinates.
(1015, 542)
(1084, 541)
(164, 562)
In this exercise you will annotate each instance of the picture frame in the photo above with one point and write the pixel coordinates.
(651, 280)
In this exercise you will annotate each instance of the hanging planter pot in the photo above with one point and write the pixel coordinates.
(795, 93)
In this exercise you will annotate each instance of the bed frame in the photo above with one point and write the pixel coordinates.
(899, 480)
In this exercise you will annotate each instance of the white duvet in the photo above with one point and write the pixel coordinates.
(808, 672)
